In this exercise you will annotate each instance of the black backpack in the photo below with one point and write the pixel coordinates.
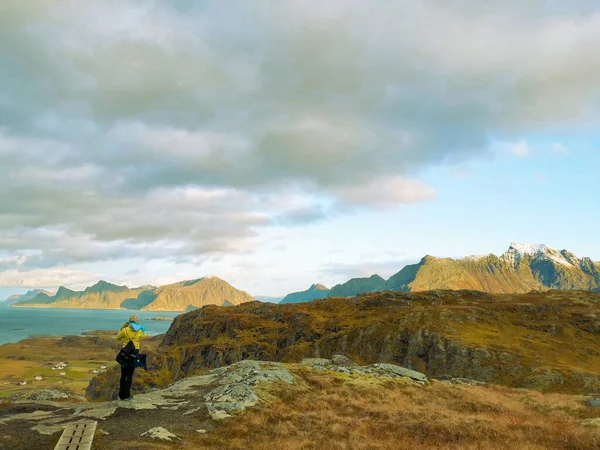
(127, 356)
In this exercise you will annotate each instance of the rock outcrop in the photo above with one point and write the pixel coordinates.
(343, 364)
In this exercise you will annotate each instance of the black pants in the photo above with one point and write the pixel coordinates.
(126, 380)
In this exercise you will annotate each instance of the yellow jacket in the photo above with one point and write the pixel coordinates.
(127, 334)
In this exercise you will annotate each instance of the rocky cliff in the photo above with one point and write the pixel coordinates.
(547, 341)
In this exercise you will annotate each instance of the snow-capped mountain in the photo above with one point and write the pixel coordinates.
(555, 269)
(522, 268)
(518, 251)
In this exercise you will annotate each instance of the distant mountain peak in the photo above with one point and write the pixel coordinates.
(28, 296)
(63, 291)
(104, 286)
(517, 251)
(201, 281)
(314, 292)
(530, 249)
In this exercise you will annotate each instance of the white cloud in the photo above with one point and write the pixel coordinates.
(48, 278)
(180, 129)
(385, 192)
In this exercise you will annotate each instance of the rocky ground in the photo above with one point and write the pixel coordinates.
(316, 404)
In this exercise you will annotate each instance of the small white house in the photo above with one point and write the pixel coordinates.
(23, 383)
(39, 378)
(62, 374)
(102, 367)
(95, 371)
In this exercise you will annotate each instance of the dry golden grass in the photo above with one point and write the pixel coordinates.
(330, 413)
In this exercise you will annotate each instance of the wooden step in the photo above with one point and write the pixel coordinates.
(77, 436)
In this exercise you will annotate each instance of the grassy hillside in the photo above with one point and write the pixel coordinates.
(339, 412)
(546, 341)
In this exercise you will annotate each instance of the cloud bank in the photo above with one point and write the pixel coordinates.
(175, 129)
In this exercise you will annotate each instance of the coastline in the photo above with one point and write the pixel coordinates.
(41, 306)
(21, 323)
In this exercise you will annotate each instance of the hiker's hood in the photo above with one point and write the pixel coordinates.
(137, 327)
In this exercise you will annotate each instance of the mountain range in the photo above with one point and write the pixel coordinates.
(522, 268)
(315, 292)
(27, 296)
(182, 296)
(268, 298)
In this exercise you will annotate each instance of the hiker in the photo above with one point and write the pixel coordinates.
(132, 332)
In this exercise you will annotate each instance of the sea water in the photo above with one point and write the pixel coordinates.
(21, 323)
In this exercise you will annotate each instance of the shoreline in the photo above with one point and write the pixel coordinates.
(22, 323)
(12, 305)
(86, 333)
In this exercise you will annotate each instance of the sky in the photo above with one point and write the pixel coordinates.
(279, 144)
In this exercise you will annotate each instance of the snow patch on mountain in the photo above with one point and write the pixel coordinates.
(517, 251)
(530, 249)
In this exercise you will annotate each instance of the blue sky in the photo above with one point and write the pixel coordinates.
(278, 144)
